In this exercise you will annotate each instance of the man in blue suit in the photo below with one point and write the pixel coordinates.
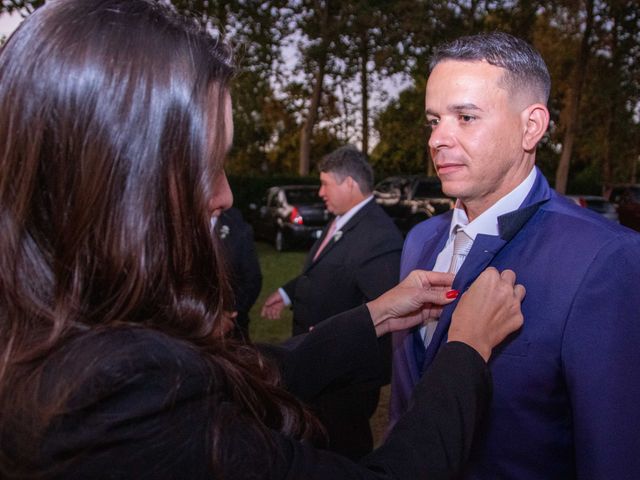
(566, 400)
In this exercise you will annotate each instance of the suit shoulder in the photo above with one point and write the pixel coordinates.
(585, 224)
(379, 224)
(428, 226)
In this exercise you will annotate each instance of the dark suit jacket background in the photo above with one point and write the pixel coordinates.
(360, 265)
(242, 260)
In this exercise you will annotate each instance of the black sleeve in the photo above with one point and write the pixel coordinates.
(433, 438)
(343, 349)
(290, 287)
(430, 441)
(151, 418)
(249, 272)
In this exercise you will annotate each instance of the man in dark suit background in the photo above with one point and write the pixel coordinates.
(355, 260)
(244, 268)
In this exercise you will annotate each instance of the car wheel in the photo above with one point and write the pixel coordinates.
(279, 241)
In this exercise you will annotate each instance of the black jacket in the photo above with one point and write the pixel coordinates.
(244, 268)
(147, 414)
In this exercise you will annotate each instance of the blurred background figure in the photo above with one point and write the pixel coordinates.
(244, 267)
(356, 259)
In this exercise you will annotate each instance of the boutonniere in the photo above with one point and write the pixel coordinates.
(224, 231)
(337, 236)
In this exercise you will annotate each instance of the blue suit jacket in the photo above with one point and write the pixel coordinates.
(566, 386)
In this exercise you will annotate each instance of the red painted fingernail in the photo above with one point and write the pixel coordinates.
(452, 294)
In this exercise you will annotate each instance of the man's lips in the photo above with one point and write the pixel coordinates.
(446, 168)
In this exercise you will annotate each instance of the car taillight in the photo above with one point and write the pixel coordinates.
(295, 217)
(583, 202)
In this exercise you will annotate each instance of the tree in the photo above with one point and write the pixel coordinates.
(571, 121)
(402, 148)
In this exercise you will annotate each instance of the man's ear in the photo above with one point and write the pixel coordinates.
(351, 183)
(535, 120)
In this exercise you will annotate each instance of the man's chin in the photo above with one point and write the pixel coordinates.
(453, 189)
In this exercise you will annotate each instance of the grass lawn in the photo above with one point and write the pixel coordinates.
(277, 268)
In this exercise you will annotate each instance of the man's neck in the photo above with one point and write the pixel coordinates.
(504, 204)
(476, 207)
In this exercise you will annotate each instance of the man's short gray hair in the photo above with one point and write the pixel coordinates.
(348, 161)
(526, 70)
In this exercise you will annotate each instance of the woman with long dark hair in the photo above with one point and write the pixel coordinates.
(115, 118)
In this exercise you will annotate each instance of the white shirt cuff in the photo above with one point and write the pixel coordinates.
(285, 297)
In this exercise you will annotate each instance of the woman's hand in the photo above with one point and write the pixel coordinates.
(418, 298)
(488, 311)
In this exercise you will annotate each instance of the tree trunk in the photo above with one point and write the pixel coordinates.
(562, 173)
(306, 134)
(364, 87)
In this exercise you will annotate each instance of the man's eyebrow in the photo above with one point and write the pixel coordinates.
(456, 108)
(463, 107)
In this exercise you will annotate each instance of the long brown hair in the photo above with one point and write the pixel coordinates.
(112, 133)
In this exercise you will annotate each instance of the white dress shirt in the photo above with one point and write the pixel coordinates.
(486, 224)
(341, 221)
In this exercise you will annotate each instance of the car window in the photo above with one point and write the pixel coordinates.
(303, 196)
(385, 186)
(428, 189)
(273, 198)
(626, 194)
(600, 205)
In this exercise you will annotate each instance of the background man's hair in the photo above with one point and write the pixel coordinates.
(525, 67)
(348, 161)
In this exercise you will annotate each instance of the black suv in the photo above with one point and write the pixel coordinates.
(410, 199)
(626, 198)
(289, 215)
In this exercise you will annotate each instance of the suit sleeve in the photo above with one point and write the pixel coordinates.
(380, 270)
(601, 361)
(377, 274)
(431, 441)
(250, 272)
(290, 287)
(341, 350)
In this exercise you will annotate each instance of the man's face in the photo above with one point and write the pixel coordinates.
(476, 133)
(337, 196)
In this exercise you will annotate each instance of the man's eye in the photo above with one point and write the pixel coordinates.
(467, 118)
(432, 122)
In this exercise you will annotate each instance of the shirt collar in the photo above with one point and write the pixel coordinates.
(341, 220)
(487, 222)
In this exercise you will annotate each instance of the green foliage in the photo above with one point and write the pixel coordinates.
(358, 44)
(402, 148)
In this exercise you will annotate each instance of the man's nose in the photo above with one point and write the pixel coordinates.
(441, 135)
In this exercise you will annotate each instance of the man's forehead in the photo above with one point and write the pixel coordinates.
(466, 68)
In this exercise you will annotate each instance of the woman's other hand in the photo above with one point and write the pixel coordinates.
(418, 298)
(488, 311)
